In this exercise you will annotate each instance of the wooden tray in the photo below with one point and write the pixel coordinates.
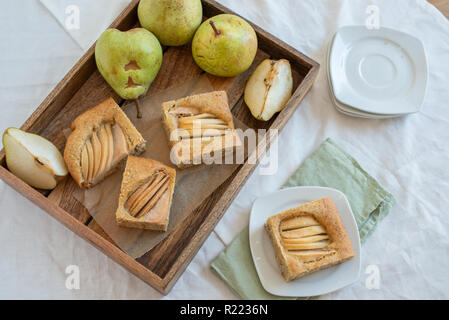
(83, 87)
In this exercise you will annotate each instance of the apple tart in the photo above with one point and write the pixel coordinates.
(101, 139)
(199, 126)
(309, 238)
(146, 194)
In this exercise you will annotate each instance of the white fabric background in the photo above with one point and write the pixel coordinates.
(409, 156)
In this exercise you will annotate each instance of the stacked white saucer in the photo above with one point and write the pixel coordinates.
(376, 74)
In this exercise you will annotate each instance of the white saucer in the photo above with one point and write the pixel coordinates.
(378, 71)
(262, 251)
(347, 110)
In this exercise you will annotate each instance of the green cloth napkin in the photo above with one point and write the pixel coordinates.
(329, 166)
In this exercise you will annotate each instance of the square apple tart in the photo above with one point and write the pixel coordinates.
(308, 238)
(199, 126)
(100, 141)
(146, 194)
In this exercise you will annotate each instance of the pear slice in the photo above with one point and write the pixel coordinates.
(203, 117)
(195, 133)
(154, 199)
(306, 246)
(85, 163)
(203, 123)
(33, 159)
(298, 222)
(120, 144)
(110, 141)
(139, 201)
(90, 156)
(183, 111)
(96, 147)
(104, 141)
(306, 239)
(269, 88)
(137, 194)
(148, 194)
(214, 126)
(196, 117)
(304, 232)
(309, 254)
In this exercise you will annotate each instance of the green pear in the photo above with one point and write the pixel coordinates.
(129, 61)
(174, 22)
(33, 159)
(224, 45)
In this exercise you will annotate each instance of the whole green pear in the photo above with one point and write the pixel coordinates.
(174, 22)
(129, 61)
(224, 45)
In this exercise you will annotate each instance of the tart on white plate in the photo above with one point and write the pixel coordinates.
(308, 238)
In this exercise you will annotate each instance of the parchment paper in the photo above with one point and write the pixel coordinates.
(193, 185)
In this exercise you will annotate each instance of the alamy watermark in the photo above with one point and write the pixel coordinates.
(72, 20)
(372, 281)
(372, 21)
(72, 281)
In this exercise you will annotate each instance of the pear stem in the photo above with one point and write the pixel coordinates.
(217, 32)
(139, 113)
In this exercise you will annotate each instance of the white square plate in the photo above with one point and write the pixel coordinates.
(347, 110)
(380, 71)
(317, 283)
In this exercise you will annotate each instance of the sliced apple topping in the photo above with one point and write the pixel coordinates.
(304, 237)
(105, 148)
(201, 125)
(145, 197)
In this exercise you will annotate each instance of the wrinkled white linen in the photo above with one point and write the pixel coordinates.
(409, 157)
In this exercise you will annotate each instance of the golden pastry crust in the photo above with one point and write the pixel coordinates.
(326, 214)
(212, 103)
(88, 122)
(137, 172)
(215, 103)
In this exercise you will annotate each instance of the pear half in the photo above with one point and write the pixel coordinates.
(269, 88)
(33, 159)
